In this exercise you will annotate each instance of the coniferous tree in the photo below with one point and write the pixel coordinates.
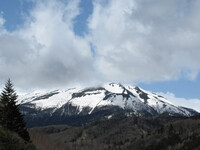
(11, 118)
(1, 112)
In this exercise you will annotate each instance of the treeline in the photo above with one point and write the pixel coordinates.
(13, 132)
(167, 133)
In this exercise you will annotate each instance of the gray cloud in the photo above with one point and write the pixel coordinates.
(146, 40)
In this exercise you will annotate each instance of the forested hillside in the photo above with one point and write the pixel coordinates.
(12, 141)
(168, 133)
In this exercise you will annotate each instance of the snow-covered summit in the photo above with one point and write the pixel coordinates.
(132, 99)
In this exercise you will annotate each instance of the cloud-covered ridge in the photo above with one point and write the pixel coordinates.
(189, 103)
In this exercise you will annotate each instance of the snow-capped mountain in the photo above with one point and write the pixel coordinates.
(76, 106)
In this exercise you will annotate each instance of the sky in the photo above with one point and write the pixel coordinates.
(60, 43)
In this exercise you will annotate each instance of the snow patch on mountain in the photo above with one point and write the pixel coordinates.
(129, 98)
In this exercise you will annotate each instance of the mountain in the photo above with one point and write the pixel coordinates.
(78, 106)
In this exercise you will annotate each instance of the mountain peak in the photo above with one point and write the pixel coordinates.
(109, 99)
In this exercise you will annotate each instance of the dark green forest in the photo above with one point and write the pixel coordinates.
(13, 132)
(166, 133)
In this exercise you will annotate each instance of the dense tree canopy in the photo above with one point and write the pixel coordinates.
(10, 116)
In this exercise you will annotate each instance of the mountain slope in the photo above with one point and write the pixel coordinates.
(11, 140)
(138, 133)
(79, 106)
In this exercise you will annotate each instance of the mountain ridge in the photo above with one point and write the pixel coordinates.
(94, 103)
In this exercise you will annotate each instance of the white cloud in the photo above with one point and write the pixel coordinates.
(146, 40)
(189, 103)
(45, 52)
(2, 22)
(133, 40)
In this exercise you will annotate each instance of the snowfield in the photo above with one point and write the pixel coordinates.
(130, 98)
